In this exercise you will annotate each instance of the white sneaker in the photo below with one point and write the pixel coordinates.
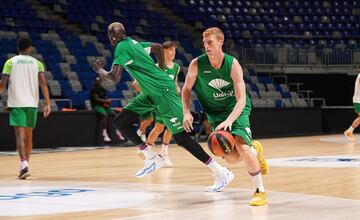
(221, 180)
(140, 155)
(106, 138)
(24, 173)
(150, 166)
(167, 161)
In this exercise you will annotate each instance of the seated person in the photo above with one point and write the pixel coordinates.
(101, 105)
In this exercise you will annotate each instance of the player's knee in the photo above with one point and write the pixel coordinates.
(27, 140)
(20, 141)
(242, 148)
(241, 145)
(182, 138)
(159, 127)
(179, 138)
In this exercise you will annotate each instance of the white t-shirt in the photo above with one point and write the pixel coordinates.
(356, 97)
(23, 71)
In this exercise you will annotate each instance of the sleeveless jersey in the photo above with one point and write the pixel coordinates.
(173, 71)
(215, 88)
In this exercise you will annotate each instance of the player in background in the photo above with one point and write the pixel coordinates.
(24, 74)
(349, 133)
(158, 94)
(172, 69)
(220, 88)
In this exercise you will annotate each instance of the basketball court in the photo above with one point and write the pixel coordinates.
(314, 177)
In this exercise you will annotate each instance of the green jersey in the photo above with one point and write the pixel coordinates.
(215, 88)
(132, 55)
(173, 71)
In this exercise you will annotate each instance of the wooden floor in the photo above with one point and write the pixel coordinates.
(101, 184)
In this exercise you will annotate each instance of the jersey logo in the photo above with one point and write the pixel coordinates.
(207, 71)
(218, 84)
(129, 62)
(171, 76)
(173, 120)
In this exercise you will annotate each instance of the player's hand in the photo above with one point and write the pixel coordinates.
(188, 121)
(224, 125)
(98, 64)
(47, 110)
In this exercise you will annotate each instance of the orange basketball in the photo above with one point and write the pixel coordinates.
(221, 143)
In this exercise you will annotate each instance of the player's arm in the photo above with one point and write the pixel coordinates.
(100, 100)
(114, 75)
(136, 86)
(158, 51)
(240, 94)
(186, 94)
(357, 86)
(178, 89)
(3, 82)
(45, 92)
(5, 75)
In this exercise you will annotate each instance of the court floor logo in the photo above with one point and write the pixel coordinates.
(41, 200)
(338, 161)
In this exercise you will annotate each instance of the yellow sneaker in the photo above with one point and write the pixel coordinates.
(264, 167)
(258, 199)
(349, 135)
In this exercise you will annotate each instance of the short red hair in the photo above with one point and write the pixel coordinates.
(217, 32)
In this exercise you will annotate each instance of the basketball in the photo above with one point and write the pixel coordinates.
(221, 143)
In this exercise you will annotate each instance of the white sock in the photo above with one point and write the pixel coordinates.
(24, 164)
(258, 182)
(164, 149)
(143, 137)
(351, 129)
(215, 166)
(253, 151)
(148, 153)
(138, 132)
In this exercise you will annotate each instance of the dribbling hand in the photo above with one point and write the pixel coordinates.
(188, 121)
(224, 125)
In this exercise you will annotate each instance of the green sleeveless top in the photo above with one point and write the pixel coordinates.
(173, 71)
(215, 88)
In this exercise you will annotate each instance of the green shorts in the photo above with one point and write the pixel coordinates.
(167, 105)
(103, 111)
(357, 107)
(23, 117)
(240, 127)
(158, 118)
(147, 116)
